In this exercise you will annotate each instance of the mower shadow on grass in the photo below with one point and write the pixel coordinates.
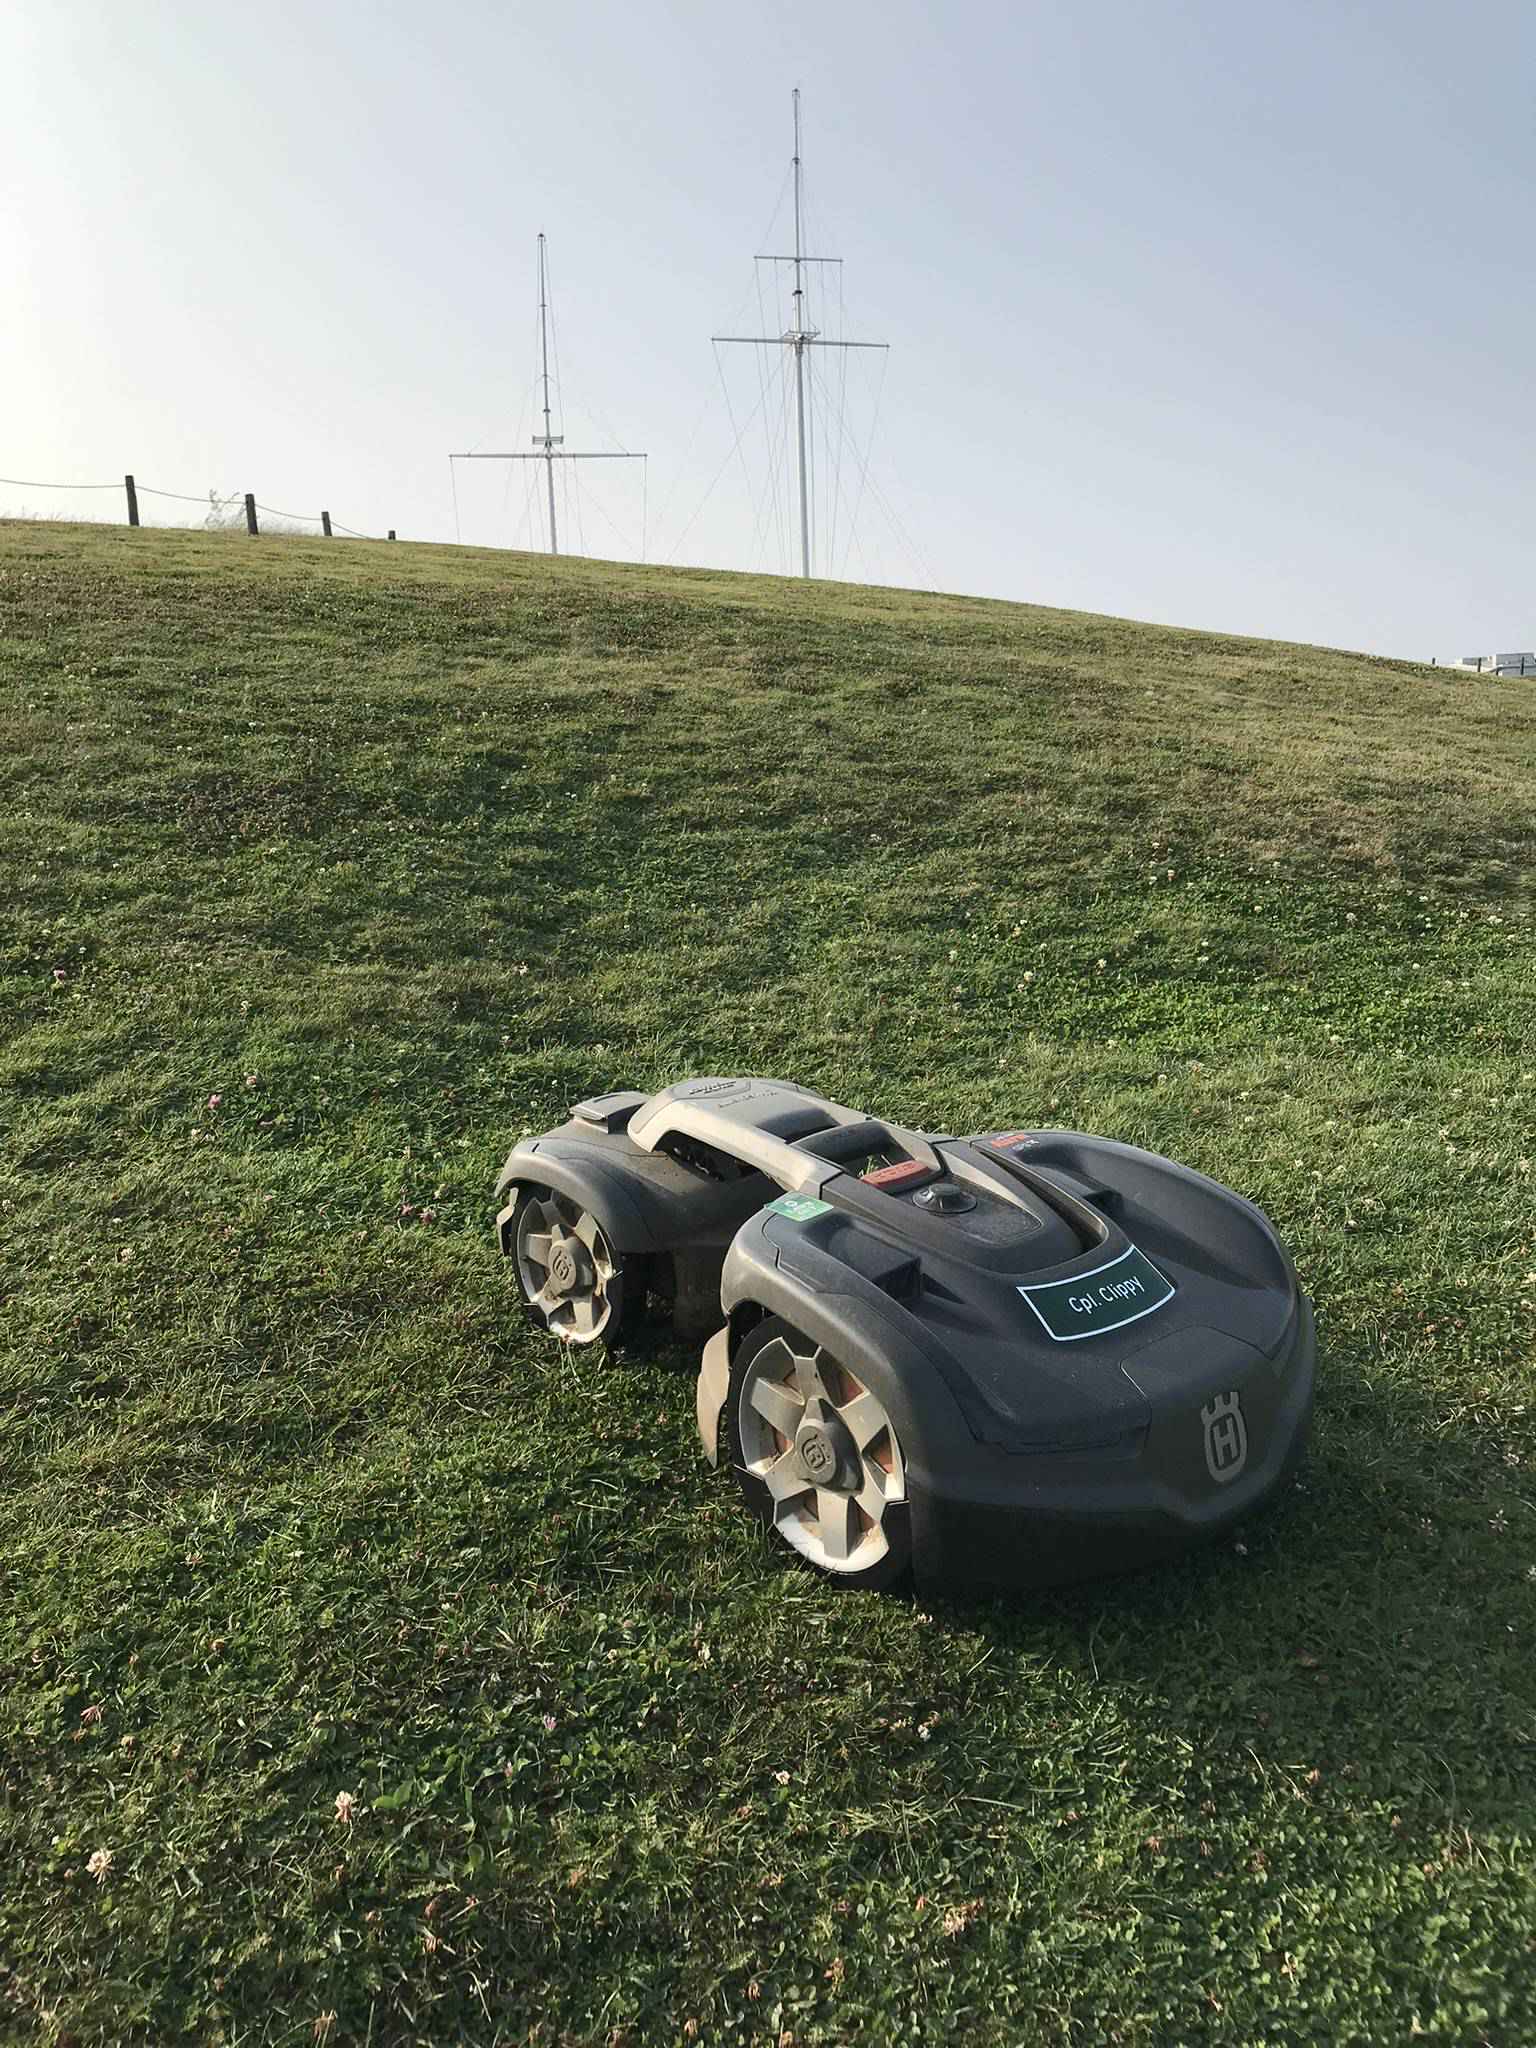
(1372, 1625)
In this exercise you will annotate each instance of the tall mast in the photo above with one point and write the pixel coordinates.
(551, 446)
(548, 437)
(799, 338)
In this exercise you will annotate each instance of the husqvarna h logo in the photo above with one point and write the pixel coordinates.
(1226, 1438)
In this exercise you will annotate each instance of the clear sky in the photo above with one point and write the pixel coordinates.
(1204, 311)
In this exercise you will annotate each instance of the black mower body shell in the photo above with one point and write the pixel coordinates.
(645, 1201)
(1031, 1462)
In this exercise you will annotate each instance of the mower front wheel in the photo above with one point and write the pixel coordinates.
(817, 1457)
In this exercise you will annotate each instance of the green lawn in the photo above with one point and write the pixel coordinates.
(332, 867)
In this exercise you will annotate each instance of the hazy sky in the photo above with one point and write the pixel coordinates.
(1207, 313)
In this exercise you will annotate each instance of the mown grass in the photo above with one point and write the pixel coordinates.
(329, 869)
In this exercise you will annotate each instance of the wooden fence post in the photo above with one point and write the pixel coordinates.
(325, 524)
(133, 501)
(250, 513)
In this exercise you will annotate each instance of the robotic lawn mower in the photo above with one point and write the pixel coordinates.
(1018, 1358)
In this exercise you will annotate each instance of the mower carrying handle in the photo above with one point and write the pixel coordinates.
(856, 1141)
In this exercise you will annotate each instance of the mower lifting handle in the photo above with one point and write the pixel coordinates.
(858, 1141)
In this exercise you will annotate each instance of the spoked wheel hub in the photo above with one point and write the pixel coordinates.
(822, 1444)
(826, 1450)
(570, 1271)
(567, 1268)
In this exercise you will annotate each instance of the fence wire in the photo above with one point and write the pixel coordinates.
(221, 510)
(31, 484)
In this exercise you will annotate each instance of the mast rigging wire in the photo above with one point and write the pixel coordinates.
(720, 472)
(899, 530)
(730, 413)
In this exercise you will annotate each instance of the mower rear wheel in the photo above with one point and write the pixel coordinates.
(817, 1457)
(573, 1283)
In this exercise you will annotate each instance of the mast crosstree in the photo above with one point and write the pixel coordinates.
(551, 446)
(798, 338)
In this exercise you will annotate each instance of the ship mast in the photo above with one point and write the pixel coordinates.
(551, 446)
(799, 337)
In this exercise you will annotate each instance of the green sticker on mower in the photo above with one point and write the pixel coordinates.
(799, 1208)
(1104, 1298)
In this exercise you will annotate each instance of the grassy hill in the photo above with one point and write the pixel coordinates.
(331, 867)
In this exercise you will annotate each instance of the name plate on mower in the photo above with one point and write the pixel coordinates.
(1104, 1298)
